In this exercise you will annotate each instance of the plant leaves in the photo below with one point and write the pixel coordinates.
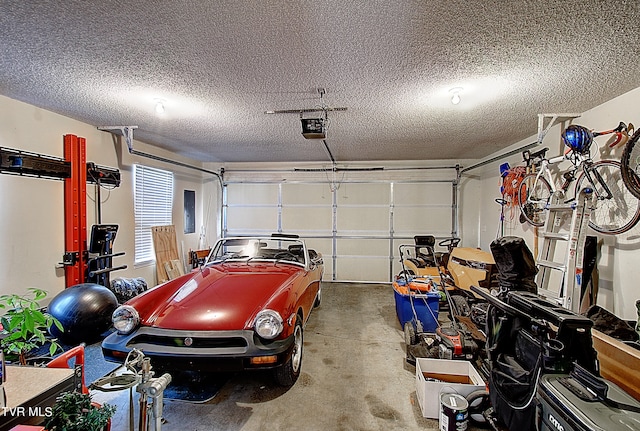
(39, 294)
(25, 322)
(29, 321)
(55, 322)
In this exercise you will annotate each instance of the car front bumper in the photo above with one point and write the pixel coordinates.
(199, 350)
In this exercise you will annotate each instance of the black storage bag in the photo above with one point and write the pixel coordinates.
(514, 370)
(516, 265)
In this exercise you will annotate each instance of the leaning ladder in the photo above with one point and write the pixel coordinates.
(568, 223)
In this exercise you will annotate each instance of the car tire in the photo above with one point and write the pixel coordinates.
(287, 374)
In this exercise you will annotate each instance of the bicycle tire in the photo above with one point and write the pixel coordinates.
(618, 214)
(533, 195)
(630, 164)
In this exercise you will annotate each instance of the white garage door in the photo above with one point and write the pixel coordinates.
(357, 227)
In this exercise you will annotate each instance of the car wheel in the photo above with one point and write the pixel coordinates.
(287, 374)
(318, 300)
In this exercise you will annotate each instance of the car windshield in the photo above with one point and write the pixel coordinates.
(275, 249)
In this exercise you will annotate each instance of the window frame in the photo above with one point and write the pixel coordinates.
(153, 194)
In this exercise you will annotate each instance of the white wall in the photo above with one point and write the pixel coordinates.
(32, 209)
(618, 261)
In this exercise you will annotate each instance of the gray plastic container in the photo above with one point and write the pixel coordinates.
(561, 409)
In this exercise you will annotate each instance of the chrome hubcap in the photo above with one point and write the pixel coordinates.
(296, 357)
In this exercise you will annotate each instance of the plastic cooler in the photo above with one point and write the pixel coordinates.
(566, 405)
(424, 303)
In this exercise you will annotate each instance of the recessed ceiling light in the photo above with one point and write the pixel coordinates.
(159, 106)
(455, 95)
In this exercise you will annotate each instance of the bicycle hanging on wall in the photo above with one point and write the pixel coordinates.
(630, 161)
(616, 209)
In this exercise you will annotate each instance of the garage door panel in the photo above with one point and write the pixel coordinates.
(306, 194)
(412, 221)
(372, 220)
(305, 220)
(356, 227)
(253, 194)
(421, 193)
(362, 259)
(362, 268)
(245, 220)
(363, 194)
(362, 247)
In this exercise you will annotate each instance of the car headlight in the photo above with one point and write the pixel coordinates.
(268, 324)
(125, 319)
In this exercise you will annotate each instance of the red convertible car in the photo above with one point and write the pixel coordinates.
(245, 308)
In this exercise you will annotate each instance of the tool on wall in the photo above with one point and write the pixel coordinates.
(102, 176)
(76, 172)
(24, 163)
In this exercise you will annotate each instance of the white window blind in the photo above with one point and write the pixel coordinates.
(153, 195)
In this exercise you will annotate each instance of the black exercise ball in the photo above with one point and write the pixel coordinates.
(84, 310)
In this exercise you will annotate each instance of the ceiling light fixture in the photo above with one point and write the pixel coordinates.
(159, 106)
(455, 95)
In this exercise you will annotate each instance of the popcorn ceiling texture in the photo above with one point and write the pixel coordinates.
(218, 65)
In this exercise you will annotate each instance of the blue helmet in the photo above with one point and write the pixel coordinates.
(578, 138)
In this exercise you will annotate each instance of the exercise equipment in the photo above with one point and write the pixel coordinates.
(100, 254)
(84, 310)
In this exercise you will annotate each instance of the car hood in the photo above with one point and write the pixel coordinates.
(223, 297)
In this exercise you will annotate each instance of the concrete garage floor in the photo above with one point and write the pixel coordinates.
(354, 377)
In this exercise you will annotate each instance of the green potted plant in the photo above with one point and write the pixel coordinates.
(25, 325)
(74, 411)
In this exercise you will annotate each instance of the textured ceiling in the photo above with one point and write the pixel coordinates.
(219, 65)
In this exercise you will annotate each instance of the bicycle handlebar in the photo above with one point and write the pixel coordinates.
(622, 133)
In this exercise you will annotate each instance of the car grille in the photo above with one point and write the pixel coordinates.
(197, 343)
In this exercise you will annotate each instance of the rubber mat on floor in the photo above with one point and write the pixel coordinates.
(194, 387)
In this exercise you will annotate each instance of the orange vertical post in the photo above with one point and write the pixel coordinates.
(75, 209)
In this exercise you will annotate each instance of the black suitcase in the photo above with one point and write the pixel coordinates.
(565, 404)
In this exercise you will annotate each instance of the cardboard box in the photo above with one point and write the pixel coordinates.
(438, 376)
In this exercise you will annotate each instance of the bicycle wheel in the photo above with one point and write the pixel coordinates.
(533, 195)
(630, 164)
(615, 212)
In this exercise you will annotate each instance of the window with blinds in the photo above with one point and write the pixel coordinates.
(153, 195)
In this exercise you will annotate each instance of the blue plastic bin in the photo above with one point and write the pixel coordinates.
(425, 304)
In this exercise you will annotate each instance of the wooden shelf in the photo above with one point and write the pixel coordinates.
(619, 363)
